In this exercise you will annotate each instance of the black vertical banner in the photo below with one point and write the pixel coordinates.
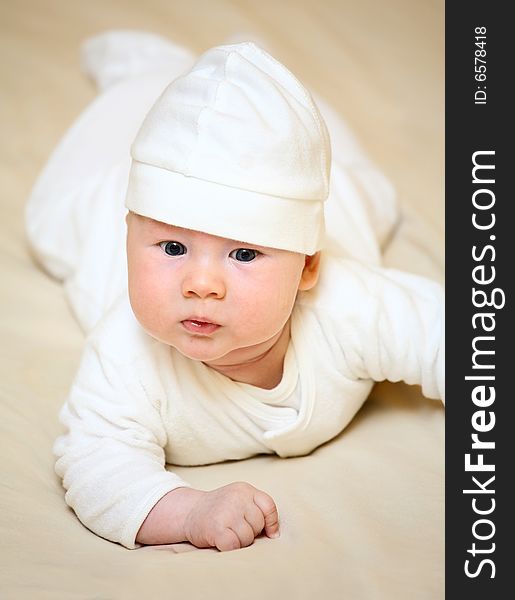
(480, 268)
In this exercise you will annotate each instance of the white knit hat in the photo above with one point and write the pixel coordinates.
(236, 148)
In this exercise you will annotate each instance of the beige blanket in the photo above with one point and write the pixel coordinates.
(362, 516)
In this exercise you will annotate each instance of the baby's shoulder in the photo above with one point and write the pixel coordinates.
(348, 287)
(343, 284)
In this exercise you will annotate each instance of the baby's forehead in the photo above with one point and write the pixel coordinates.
(159, 228)
(153, 225)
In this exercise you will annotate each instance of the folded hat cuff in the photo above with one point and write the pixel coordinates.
(221, 210)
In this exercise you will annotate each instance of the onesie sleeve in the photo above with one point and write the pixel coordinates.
(390, 324)
(111, 458)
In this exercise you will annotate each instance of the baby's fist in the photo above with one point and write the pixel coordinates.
(231, 517)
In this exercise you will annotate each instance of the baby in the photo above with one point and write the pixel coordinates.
(238, 336)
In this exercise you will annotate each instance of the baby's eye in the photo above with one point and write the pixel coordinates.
(173, 248)
(244, 254)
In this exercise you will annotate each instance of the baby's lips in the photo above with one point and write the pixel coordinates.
(200, 327)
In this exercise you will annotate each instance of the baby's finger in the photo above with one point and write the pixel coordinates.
(270, 514)
(227, 540)
(244, 532)
(255, 518)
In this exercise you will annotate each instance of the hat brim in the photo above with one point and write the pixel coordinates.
(221, 210)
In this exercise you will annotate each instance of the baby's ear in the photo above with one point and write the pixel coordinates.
(310, 272)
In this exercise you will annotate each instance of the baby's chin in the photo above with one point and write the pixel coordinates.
(202, 349)
(217, 355)
(200, 355)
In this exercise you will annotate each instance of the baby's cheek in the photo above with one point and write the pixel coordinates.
(267, 310)
(284, 297)
(144, 294)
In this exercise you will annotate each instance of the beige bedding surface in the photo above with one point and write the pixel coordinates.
(362, 517)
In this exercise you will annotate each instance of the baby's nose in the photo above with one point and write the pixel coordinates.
(203, 283)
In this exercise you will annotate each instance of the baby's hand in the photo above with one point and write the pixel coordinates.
(231, 517)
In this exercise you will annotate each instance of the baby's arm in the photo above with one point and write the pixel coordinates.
(112, 463)
(227, 518)
(390, 324)
(407, 324)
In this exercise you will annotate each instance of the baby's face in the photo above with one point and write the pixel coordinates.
(209, 297)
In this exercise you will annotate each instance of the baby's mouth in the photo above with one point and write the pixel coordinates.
(199, 327)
